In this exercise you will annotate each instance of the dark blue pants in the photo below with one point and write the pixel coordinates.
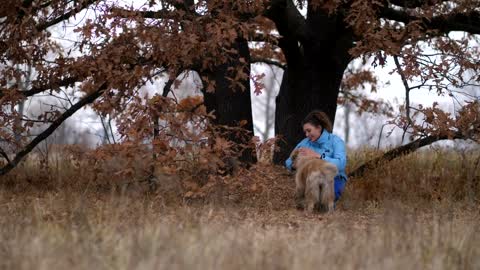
(339, 186)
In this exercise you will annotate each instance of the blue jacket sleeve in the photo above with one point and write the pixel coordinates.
(339, 154)
(288, 163)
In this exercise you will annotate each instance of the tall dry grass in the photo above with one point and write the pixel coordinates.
(418, 212)
(424, 177)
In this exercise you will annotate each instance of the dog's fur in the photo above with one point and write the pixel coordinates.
(314, 182)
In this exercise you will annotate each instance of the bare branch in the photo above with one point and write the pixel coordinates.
(407, 89)
(167, 87)
(169, 83)
(4, 155)
(55, 124)
(270, 62)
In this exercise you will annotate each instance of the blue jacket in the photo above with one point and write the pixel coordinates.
(330, 147)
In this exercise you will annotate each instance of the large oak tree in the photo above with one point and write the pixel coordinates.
(122, 48)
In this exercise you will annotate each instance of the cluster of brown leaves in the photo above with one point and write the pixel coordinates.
(436, 122)
(355, 80)
(122, 49)
(172, 140)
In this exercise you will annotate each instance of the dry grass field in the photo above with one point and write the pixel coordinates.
(418, 212)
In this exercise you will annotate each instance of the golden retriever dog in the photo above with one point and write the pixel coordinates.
(314, 183)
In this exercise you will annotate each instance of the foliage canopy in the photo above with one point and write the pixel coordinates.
(435, 44)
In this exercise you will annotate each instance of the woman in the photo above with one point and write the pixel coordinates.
(321, 143)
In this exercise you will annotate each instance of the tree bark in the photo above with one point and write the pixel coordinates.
(312, 79)
(231, 102)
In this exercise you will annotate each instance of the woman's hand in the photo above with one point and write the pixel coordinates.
(307, 152)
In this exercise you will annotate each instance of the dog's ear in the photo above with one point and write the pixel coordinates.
(330, 170)
(294, 154)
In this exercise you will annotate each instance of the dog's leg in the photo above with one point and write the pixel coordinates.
(312, 192)
(299, 193)
(327, 195)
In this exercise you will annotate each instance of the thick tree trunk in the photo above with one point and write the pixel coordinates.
(312, 78)
(231, 103)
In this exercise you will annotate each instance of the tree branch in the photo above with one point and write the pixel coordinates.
(262, 37)
(400, 151)
(65, 16)
(407, 88)
(55, 124)
(168, 85)
(290, 23)
(21, 11)
(38, 89)
(415, 3)
(64, 82)
(185, 5)
(42, 88)
(467, 22)
(269, 62)
(159, 14)
(291, 26)
(407, 95)
(4, 155)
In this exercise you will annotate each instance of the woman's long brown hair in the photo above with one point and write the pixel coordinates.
(318, 118)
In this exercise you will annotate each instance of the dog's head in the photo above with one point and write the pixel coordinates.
(294, 157)
(294, 154)
(297, 158)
